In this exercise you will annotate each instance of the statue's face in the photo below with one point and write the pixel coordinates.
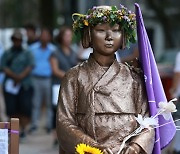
(106, 39)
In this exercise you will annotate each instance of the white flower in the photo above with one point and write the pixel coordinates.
(165, 108)
(166, 115)
(145, 78)
(168, 106)
(99, 14)
(146, 122)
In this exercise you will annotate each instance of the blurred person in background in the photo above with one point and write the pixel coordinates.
(17, 64)
(130, 54)
(3, 116)
(42, 52)
(63, 59)
(67, 57)
(175, 93)
(31, 33)
(84, 54)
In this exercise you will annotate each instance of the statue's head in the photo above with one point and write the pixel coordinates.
(84, 24)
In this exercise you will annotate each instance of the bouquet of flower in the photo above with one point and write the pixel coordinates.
(87, 149)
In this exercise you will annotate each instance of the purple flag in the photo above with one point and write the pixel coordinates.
(154, 88)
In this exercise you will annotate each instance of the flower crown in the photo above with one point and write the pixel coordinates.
(123, 17)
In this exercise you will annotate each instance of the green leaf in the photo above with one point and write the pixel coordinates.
(112, 16)
(114, 8)
(112, 23)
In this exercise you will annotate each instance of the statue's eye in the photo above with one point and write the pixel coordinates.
(100, 30)
(116, 30)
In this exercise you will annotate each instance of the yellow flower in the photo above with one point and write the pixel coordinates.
(86, 22)
(131, 16)
(120, 17)
(83, 148)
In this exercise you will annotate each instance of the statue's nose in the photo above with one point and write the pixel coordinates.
(108, 36)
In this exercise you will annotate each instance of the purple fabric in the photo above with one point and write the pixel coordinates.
(14, 131)
(6, 125)
(154, 88)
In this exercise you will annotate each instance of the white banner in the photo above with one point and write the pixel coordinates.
(55, 94)
(3, 141)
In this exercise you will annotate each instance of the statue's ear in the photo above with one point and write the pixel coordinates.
(86, 38)
(123, 41)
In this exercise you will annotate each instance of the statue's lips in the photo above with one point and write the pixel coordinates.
(108, 45)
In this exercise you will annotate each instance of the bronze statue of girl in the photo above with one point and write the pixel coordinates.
(100, 97)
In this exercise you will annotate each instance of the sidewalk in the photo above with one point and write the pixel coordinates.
(38, 143)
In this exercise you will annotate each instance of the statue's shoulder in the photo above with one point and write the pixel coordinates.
(134, 66)
(74, 72)
(135, 69)
(71, 74)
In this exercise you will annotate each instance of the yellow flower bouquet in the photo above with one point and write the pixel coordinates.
(86, 149)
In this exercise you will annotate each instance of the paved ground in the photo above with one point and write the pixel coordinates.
(38, 143)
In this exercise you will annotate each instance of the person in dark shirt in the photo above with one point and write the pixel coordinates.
(17, 64)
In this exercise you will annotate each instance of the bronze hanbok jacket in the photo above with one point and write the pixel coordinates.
(98, 106)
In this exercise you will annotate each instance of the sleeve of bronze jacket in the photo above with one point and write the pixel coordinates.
(69, 134)
(146, 139)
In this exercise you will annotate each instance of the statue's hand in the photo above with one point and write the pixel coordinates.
(131, 149)
(105, 152)
(104, 149)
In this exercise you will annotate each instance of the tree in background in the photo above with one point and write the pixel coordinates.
(46, 12)
(168, 14)
(17, 12)
(54, 13)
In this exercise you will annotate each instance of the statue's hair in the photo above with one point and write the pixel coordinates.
(86, 38)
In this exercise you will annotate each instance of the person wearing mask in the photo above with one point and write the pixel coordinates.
(17, 65)
(42, 52)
